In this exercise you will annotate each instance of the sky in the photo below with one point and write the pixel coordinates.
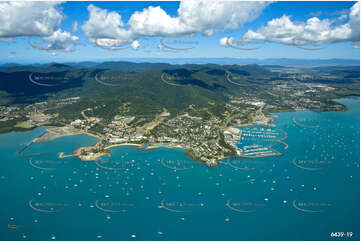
(96, 31)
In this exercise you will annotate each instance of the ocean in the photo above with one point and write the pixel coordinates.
(308, 189)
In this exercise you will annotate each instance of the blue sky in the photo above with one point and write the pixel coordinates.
(19, 50)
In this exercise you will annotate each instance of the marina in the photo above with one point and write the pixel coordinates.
(258, 141)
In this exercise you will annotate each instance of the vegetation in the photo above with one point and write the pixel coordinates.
(187, 105)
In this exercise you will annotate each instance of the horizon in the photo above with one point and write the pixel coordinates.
(257, 61)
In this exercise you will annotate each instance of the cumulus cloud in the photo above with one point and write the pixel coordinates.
(104, 28)
(208, 17)
(58, 41)
(154, 21)
(36, 19)
(313, 31)
(355, 22)
(193, 17)
(27, 18)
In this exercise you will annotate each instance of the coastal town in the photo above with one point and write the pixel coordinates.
(208, 140)
(208, 133)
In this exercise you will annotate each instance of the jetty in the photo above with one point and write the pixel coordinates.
(25, 147)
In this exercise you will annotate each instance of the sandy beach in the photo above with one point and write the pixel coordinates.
(123, 144)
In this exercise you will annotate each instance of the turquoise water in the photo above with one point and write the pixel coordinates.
(308, 192)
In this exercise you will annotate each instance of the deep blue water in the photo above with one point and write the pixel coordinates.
(308, 192)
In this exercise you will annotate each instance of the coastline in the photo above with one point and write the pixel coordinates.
(123, 144)
(96, 155)
(93, 156)
(164, 145)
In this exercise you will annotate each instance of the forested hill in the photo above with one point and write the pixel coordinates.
(150, 87)
(32, 83)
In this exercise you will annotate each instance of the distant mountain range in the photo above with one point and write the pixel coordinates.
(219, 61)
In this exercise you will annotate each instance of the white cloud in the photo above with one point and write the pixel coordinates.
(104, 28)
(193, 17)
(313, 31)
(224, 41)
(135, 44)
(59, 40)
(355, 22)
(208, 17)
(154, 21)
(28, 18)
(36, 19)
